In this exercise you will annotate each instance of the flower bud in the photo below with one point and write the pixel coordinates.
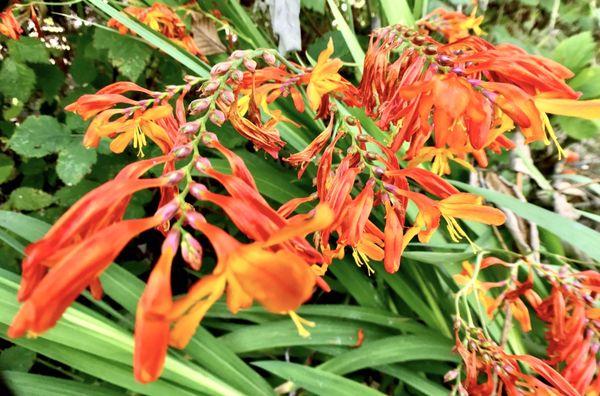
(198, 106)
(211, 86)
(430, 50)
(182, 151)
(459, 71)
(220, 68)
(371, 156)
(378, 172)
(237, 76)
(418, 40)
(217, 117)
(237, 54)
(168, 210)
(227, 97)
(202, 164)
(350, 120)
(193, 218)
(444, 60)
(197, 190)
(250, 65)
(191, 79)
(191, 251)
(173, 178)
(171, 241)
(269, 58)
(189, 128)
(208, 138)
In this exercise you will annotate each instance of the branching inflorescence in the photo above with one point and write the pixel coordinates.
(437, 101)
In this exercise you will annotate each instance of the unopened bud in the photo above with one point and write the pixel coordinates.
(237, 54)
(269, 58)
(197, 190)
(167, 211)
(182, 151)
(350, 120)
(191, 251)
(430, 50)
(191, 79)
(211, 86)
(220, 68)
(198, 106)
(202, 164)
(378, 172)
(444, 60)
(371, 156)
(217, 117)
(362, 138)
(237, 76)
(451, 375)
(173, 178)
(418, 40)
(208, 138)
(250, 65)
(459, 71)
(193, 218)
(171, 241)
(189, 128)
(227, 97)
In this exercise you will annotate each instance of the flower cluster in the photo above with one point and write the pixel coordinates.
(9, 26)
(163, 19)
(464, 96)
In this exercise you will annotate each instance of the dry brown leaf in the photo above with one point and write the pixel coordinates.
(205, 35)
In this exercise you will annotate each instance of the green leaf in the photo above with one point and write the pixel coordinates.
(16, 358)
(575, 52)
(26, 227)
(28, 50)
(16, 80)
(22, 384)
(74, 162)
(127, 54)
(38, 136)
(351, 41)
(397, 11)
(587, 82)
(317, 381)
(7, 167)
(578, 128)
(414, 380)
(27, 198)
(569, 231)
(49, 80)
(83, 70)
(395, 349)
(315, 5)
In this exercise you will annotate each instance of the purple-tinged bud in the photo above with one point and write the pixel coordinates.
(237, 76)
(189, 128)
(217, 117)
(474, 82)
(191, 79)
(211, 86)
(182, 151)
(451, 375)
(250, 65)
(168, 210)
(371, 156)
(269, 58)
(220, 68)
(390, 187)
(459, 71)
(202, 164)
(171, 241)
(192, 217)
(378, 172)
(444, 60)
(191, 251)
(237, 54)
(198, 106)
(197, 190)
(430, 50)
(208, 138)
(227, 97)
(173, 178)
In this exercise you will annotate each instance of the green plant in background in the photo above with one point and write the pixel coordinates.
(384, 333)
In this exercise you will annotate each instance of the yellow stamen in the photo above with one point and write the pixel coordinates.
(550, 130)
(300, 322)
(360, 258)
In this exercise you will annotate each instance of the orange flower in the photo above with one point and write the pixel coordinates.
(457, 206)
(304, 157)
(161, 18)
(152, 322)
(9, 26)
(453, 25)
(324, 77)
(278, 278)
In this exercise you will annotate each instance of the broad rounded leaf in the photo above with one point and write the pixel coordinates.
(39, 136)
(27, 198)
(74, 162)
(7, 165)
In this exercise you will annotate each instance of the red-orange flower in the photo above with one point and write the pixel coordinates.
(9, 26)
(78, 248)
